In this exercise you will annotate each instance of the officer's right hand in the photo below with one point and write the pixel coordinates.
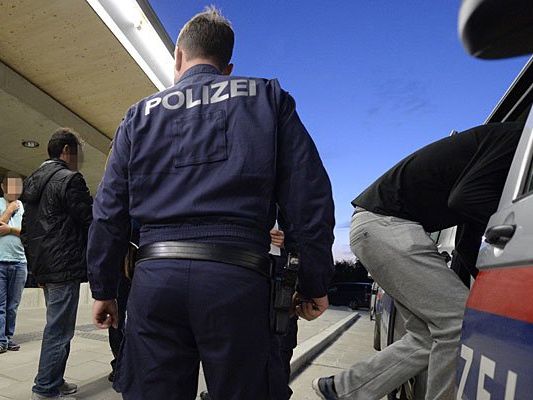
(105, 314)
(310, 309)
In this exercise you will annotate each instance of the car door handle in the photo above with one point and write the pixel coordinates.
(499, 235)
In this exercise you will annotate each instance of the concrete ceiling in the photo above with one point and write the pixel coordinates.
(60, 65)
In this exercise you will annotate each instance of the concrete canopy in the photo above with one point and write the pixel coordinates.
(62, 65)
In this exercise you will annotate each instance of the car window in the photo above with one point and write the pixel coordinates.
(528, 187)
(435, 236)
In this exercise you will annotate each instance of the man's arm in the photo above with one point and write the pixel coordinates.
(467, 243)
(5, 229)
(9, 211)
(14, 231)
(110, 229)
(477, 192)
(5, 217)
(305, 202)
(79, 201)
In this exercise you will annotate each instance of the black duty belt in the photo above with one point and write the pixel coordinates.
(207, 252)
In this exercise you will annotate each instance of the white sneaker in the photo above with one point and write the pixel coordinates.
(323, 388)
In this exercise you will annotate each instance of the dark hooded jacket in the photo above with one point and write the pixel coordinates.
(58, 212)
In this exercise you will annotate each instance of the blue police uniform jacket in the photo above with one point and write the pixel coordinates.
(208, 160)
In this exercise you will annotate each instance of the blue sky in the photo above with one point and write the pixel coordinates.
(373, 80)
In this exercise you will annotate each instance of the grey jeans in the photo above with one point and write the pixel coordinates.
(405, 262)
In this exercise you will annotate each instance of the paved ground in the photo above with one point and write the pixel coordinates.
(89, 356)
(353, 345)
(88, 364)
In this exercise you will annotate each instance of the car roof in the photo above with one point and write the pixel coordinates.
(516, 101)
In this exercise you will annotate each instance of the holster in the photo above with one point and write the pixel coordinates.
(129, 260)
(282, 291)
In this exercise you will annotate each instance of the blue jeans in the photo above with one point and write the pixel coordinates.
(61, 309)
(12, 279)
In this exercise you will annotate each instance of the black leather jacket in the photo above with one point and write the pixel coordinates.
(58, 212)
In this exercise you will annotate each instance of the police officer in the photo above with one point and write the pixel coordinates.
(203, 166)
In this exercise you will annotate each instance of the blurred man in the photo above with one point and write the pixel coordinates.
(54, 234)
(13, 269)
(455, 181)
(202, 167)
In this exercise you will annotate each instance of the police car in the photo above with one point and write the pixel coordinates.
(496, 356)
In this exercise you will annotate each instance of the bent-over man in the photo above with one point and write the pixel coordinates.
(454, 181)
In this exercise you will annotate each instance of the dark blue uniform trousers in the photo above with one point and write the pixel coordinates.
(116, 335)
(181, 312)
(288, 343)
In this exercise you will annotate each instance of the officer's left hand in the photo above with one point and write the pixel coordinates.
(105, 314)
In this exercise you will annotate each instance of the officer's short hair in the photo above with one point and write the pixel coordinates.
(60, 138)
(208, 35)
